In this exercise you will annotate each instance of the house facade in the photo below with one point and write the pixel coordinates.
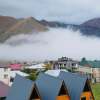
(96, 74)
(78, 86)
(65, 63)
(87, 92)
(93, 68)
(8, 73)
(83, 70)
(5, 74)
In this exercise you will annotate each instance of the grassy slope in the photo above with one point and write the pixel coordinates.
(96, 91)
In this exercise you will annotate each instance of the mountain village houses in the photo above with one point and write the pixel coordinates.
(54, 81)
(89, 68)
(9, 71)
(47, 87)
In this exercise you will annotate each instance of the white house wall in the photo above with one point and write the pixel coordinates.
(4, 72)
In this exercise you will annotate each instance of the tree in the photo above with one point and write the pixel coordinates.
(32, 76)
(83, 59)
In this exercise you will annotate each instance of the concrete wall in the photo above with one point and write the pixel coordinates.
(5, 75)
(96, 74)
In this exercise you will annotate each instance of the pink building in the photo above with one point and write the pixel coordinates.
(15, 66)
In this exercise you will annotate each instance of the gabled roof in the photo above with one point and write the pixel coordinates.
(4, 89)
(48, 86)
(75, 84)
(21, 89)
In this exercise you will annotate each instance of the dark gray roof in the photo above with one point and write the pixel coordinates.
(48, 86)
(4, 66)
(21, 89)
(74, 83)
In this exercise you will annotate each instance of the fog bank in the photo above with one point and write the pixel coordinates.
(50, 45)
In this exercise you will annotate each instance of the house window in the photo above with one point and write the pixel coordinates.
(83, 98)
(11, 79)
(60, 65)
(64, 65)
(5, 76)
(5, 69)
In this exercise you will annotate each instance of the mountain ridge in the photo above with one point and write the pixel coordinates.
(25, 26)
(6, 22)
(84, 28)
(10, 26)
(92, 23)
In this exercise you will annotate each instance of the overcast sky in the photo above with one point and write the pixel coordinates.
(71, 11)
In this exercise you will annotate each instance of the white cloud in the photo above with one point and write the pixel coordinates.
(50, 45)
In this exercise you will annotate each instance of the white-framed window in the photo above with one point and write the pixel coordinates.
(5, 76)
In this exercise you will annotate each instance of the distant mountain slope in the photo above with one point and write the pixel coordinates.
(92, 23)
(10, 26)
(54, 24)
(91, 27)
(25, 26)
(88, 28)
(6, 22)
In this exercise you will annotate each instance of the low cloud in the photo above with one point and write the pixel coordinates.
(50, 45)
